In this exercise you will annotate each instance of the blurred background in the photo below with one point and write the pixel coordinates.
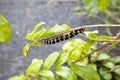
(23, 15)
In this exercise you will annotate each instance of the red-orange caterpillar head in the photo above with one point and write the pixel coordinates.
(43, 41)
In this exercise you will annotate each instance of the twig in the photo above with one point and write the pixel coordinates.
(113, 69)
(108, 40)
(85, 27)
(103, 25)
(99, 26)
(106, 49)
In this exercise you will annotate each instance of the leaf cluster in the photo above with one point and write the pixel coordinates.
(78, 58)
(108, 9)
(107, 65)
(35, 36)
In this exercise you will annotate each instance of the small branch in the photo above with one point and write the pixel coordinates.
(114, 38)
(107, 40)
(113, 69)
(106, 49)
(103, 26)
(99, 26)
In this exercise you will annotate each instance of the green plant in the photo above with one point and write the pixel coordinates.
(78, 58)
(5, 30)
(92, 7)
(108, 8)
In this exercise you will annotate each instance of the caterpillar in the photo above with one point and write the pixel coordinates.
(63, 36)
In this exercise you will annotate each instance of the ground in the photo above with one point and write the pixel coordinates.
(23, 15)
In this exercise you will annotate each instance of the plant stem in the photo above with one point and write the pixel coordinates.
(113, 69)
(102, 26)
(106, 49)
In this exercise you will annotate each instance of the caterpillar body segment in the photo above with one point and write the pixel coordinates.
(63, 36)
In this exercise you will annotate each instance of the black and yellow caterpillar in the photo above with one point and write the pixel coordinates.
(62, 36)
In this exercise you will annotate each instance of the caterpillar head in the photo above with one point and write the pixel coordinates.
(43, 41)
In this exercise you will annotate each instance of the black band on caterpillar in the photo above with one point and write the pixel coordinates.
(63, 36)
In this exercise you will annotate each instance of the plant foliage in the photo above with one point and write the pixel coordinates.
(78, 58)
(5, 30)
(107, 9)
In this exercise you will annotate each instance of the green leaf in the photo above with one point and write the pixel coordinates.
(93, 66)
(5, 30)
(70, 45)
(65, 27)
(34, 67)
(103, 4)
(37, 26)
(61, 59)
(104, 37)
(77, 42)
(85, 72)
(40, 33)
(116, 59)
(59, 78)
(75, 54)
(87, 46)
(50, 60)
(79, 51)
(113, 3)
(77, 9)
(91, 9)
(104, 74)
(92, 34)
(33, 34)
(117, 71)
(21, 77)
(55, 30)
(43, 78)
(29, 36)
(15, 78)
(67, 47)
(47, 74)
(109, 64)
(66, 73)
(26, 49)
(103, 56)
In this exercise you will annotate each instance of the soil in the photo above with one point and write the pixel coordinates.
(23, 15)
